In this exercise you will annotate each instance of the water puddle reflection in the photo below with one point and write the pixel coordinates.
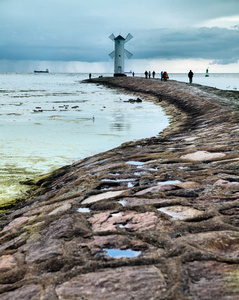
(135, 163)
(119, 214)
(169, 182)
(83, 210)
(123, 202)
(117, 253)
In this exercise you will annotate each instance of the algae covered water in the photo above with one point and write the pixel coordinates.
(50, 120)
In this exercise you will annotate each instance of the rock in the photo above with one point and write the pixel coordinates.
(202, 156)
(26, 292)
(118, 283)
(210, 280)
(17, 223)
(7, 263)
(60, 209)
(156, 189)
(103, 196)
(178, 212)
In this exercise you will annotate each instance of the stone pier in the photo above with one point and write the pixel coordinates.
(157, 218)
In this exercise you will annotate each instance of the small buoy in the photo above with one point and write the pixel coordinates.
(207, 75)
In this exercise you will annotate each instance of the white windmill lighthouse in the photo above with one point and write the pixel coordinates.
(119, 53)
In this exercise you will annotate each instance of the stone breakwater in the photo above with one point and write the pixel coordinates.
(172, 199)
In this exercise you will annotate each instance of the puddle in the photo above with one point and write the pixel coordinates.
(124, 226)
(182, 168)
(135, 163)
(123, 202)
(169, 182)
(83, 210)
(119, 214)
(118, 180)
(152, 169)
(117, 253)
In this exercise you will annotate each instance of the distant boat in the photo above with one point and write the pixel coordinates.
(46, 71)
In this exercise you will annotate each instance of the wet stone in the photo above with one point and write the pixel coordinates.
(7, 263)
(103, 196)
(178, 212)
(211, 280)
(203, 156)
(26, 292)
(173, 201)
(118, 283)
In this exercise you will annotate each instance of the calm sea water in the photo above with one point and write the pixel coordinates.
(225, 81)
(50, 120)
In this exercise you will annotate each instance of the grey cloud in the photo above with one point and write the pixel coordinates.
(208, 43)
(67, 30)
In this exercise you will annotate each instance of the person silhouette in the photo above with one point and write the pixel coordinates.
(190, 76)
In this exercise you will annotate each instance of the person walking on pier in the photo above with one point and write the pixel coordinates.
(190, 76)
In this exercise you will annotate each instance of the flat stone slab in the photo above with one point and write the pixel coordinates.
(211, 280)
(203, 156)
(7, 263)
(103, 196)
(178, 212)
(118, 284)
(135, 221)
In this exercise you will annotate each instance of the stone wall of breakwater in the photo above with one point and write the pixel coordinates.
(153, 219)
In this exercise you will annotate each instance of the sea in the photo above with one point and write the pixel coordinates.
(48, 120)
(51, 120)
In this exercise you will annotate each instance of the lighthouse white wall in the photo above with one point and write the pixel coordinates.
(119, 56)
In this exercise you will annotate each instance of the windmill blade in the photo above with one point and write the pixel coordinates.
(112, 54)
(112, 37)
(128, 37)
(128, 54)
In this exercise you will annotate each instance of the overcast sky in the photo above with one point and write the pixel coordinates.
(72, 35)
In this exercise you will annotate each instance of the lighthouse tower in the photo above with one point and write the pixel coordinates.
(119, 52)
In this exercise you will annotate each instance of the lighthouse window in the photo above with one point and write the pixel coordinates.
(119, 55)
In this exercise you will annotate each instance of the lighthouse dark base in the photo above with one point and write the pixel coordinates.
(119, 75)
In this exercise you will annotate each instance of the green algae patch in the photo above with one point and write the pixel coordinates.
(7, 204)
(25, 190)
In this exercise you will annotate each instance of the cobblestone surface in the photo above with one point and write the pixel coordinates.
(179, 208)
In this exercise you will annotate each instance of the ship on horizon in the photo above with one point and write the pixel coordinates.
(46, 71)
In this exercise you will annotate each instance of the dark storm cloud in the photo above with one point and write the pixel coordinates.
(219, 44)
(73, 30)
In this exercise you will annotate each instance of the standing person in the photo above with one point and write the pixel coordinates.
(149, 74)
(153, 74)
(146, 74)
(161, 75)
(190, 76)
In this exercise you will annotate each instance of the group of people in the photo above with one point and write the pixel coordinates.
(148, 74)
(164, 76)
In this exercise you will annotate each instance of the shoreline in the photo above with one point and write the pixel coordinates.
(173, 197)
